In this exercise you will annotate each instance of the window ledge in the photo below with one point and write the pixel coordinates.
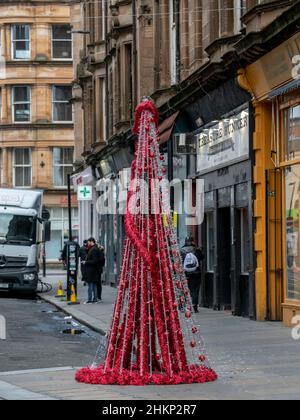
(21, 63)
(25, 126)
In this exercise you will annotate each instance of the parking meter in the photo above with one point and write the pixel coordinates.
(72, 267)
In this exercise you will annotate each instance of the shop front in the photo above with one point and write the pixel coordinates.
(217, 150)
(114, 176)
(277, 180)
(226, 236)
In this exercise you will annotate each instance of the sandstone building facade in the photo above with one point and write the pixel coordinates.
(36, 123)
(207, 64)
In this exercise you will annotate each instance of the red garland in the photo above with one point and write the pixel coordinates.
(146, 105)
(196, 375)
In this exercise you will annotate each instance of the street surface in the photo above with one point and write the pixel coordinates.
(35, 339)
(253, 360)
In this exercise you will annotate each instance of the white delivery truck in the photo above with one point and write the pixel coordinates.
(22, 231)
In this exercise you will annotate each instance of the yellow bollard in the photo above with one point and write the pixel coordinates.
(60, 292)
(73, 300)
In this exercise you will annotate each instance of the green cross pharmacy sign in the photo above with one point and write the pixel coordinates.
(85, 193)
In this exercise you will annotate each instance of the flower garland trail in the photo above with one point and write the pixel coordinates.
(153, 338)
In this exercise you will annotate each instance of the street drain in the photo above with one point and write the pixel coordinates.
(73, 331)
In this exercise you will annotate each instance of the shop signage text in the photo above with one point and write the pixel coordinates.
(224, 143)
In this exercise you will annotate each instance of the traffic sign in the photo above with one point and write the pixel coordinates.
(85, 193)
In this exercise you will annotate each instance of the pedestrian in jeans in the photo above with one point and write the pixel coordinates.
(92, 269)
(192, 258)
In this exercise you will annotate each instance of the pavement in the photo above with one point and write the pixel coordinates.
(254, 361)
(97, 317)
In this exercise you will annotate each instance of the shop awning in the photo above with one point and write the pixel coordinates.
(166, 127)
(85, 177)
(295, 84)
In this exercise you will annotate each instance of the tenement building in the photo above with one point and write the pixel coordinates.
(36, 121)
(223, 77)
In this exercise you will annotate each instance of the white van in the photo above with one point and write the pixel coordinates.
(22, 231)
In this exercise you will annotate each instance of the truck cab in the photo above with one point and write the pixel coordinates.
(21, 234)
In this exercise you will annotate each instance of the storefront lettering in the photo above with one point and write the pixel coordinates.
(224, 142)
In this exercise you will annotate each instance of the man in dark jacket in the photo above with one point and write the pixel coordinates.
(192, 258)
(102, 264)
(93, 266)
(82, 255)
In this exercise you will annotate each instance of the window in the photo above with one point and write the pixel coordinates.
(292, 194)
(60, 231)
(210, 251)
(62, 165)
(21, 42)
(21, 98)
(22, 167)
(292, 129)
(61, 42)
(62, 107)
(245, 241)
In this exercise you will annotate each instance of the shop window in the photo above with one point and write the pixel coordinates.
(21, 104)
(62, 107)
(61, 42)
(21, 42)
(292, 197)
(22, 168)
(60, 231)
(62, 165)
(210, 243)
(245, 241)
(292, 129)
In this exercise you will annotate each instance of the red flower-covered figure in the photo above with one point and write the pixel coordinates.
(153, 338)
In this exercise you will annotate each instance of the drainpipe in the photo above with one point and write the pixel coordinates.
(106, 73)
(134, 52)
(178, 55)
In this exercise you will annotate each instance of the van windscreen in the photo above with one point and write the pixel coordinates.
(17, 229)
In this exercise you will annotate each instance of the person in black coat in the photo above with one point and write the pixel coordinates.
(83, 255)
(194, 275)
(102, 264)
(93, 266)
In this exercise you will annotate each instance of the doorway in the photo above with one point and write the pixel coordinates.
(224, 260)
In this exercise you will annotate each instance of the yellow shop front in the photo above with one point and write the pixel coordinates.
(274, 83)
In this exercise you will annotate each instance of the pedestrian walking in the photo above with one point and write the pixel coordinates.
(192, 258)
(92, 268)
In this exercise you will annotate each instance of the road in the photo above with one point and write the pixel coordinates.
(253, 360)
(35, 339)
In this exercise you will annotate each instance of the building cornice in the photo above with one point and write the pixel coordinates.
(265, 7)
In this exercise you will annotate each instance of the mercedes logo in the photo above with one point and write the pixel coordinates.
(2, 260)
